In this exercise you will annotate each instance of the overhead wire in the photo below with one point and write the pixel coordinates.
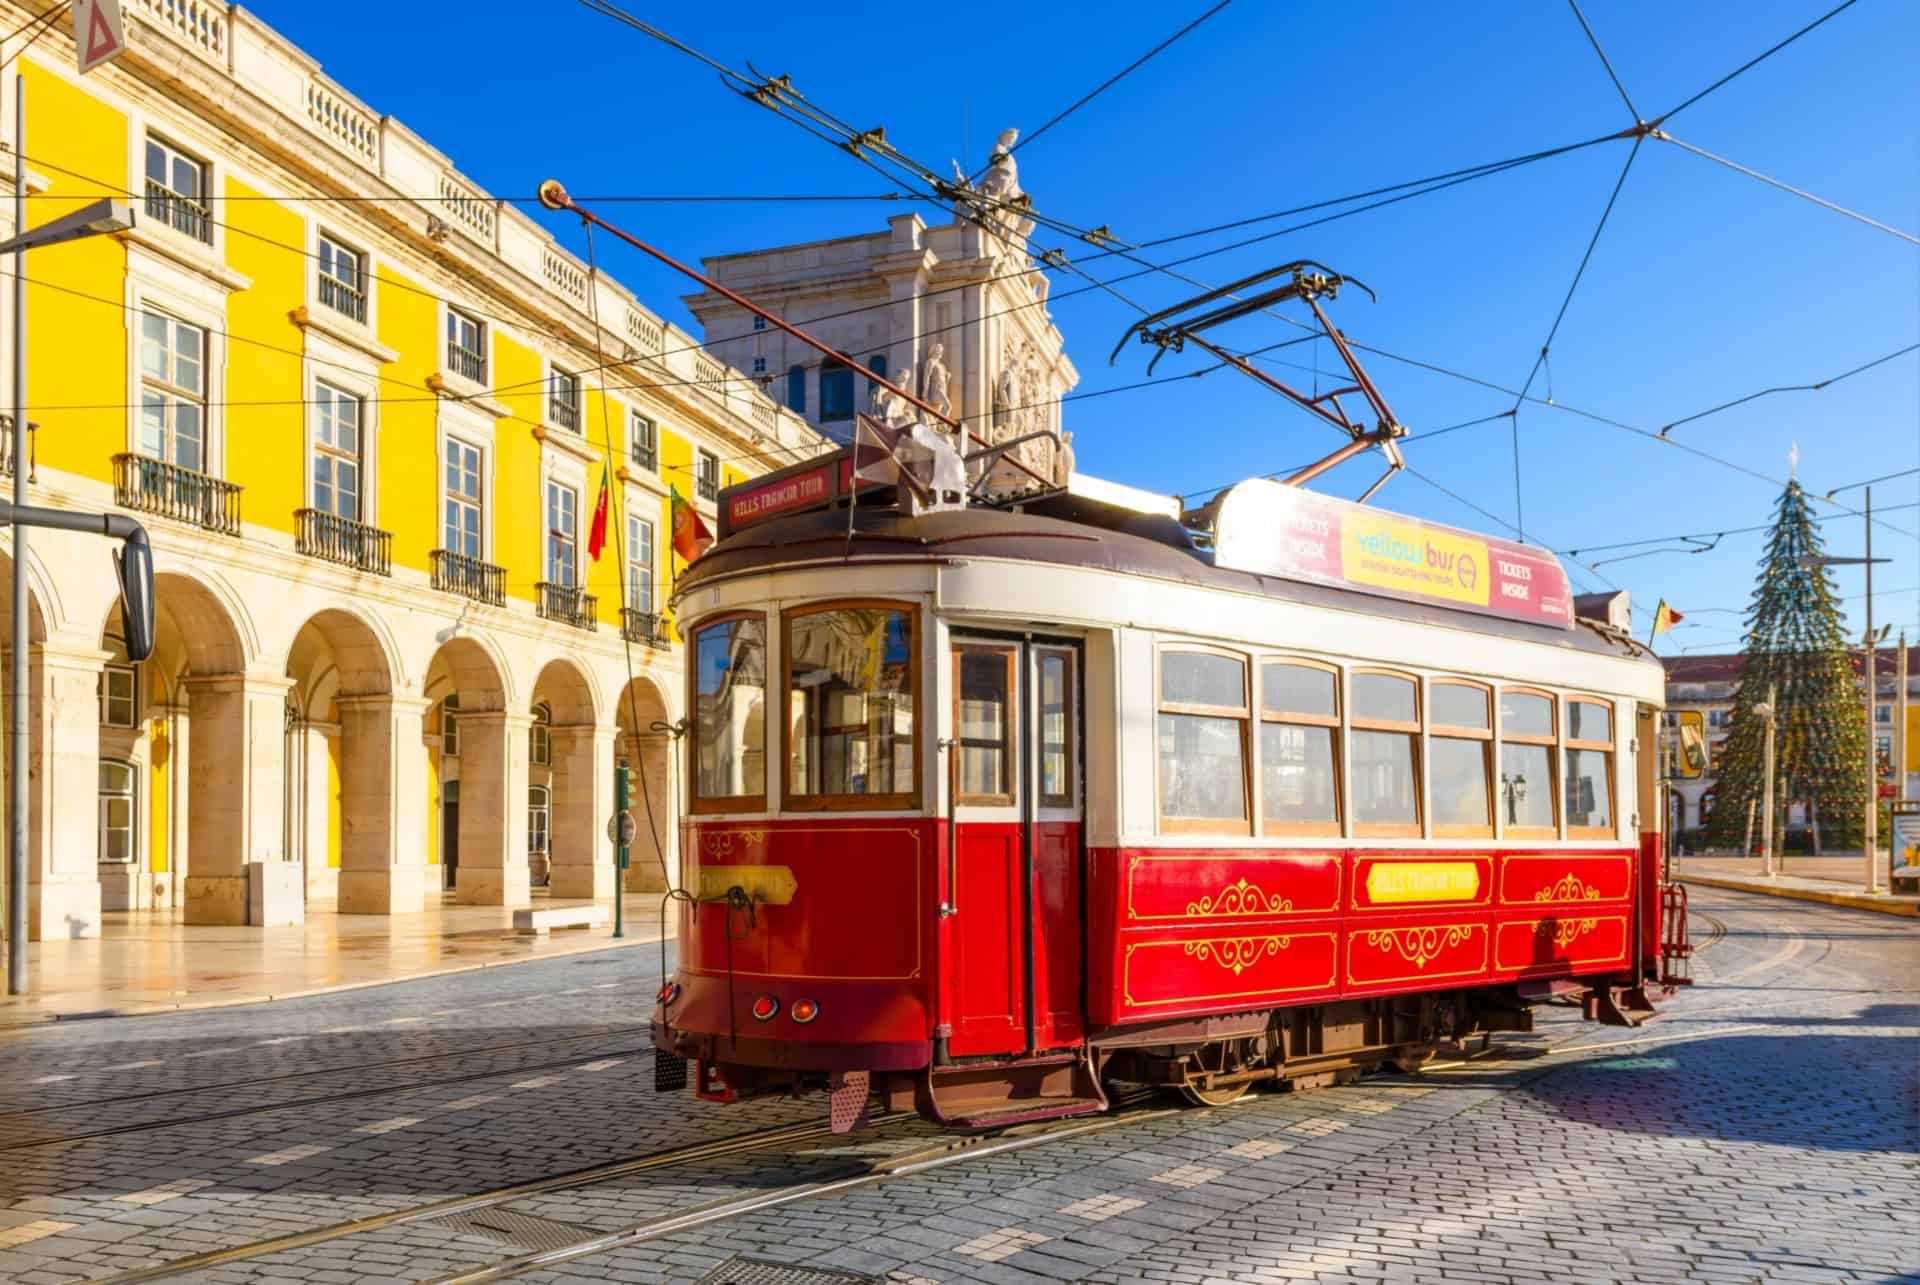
(1755, 61)
(1789, 388)
(1119, 76)
(1803, 194)
(1605, 61)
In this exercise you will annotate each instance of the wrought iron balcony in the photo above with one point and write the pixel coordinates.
(564, 410)
(467, 363)
(568, 604)
(469, 577)
(182, 213)
(343, 297)
(351, 544)
(645, 627)
(148, 485)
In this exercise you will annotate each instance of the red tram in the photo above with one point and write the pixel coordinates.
(992, 807)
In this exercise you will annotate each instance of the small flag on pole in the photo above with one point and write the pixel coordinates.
(690, 534)
(1664, 618)
(877, 458)
(597, 536)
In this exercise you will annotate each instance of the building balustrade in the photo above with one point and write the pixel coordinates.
(332, 538)
(646, 627)
(148, 485)
(469, 577)
(568, 604)
(467, 363)
(343, 297)
(182, 213)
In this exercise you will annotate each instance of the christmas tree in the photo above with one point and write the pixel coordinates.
(1796, 647)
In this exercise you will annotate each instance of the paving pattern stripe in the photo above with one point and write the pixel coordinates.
(466, 1052)
(956, 1152)
(409, 1086)
(720, 1147)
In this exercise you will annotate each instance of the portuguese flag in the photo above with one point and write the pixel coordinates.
(597, 537)
(1664, 618)
(690, 534)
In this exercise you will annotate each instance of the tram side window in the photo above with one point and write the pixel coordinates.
(1056, 729)
(1299, 748)
(850, 714)
(1204, 712)
(1386, 770)
(1526, 765)
(730, 715)
(983, 682)
(1459, 750)
(1589, 770)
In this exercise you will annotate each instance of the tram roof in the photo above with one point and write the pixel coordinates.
(1152, 549)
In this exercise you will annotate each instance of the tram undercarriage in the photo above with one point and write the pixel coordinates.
(1210, 1061)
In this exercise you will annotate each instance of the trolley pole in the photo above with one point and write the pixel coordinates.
(624, 851)
(1766, 821)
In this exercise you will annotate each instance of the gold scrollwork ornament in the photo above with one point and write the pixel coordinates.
(1240, 898)
(1236, 954)
(1570, 888)
(1418, 946)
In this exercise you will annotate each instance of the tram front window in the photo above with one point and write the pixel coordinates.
(730, 719)
(850, 708)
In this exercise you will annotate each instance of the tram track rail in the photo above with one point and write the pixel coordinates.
(692, 1153)
(316, 1100)
(948, 1152)
(313, 1072)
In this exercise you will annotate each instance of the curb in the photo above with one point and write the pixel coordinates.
(1850, 900)
(28, 1022)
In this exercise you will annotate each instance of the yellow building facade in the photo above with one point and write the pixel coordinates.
(365, 411)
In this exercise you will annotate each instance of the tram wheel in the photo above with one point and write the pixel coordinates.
(1224, 1096)
(1409, 1058)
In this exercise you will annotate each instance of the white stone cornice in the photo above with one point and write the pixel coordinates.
(448, 387)
(340, 330)
(176, 248)
(568, 442)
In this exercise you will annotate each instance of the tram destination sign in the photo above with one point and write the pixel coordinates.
(815, 484)
(1276, 530)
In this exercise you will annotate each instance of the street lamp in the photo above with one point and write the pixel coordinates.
(133, 562)
(1814, 561)
(1766, 821)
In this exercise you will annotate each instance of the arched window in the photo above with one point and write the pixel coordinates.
(540, 739)
(797, 389)
(836, 391)
(117, 811)
(119, 686)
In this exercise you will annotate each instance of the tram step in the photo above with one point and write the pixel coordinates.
(1024, 1112)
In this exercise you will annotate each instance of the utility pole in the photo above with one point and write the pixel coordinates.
(1766, 823)
(1873, 690)
(17, 802)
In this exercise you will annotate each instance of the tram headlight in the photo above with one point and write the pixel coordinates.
(803, 1011)
(765, 1008)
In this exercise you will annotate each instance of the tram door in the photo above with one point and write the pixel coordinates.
(1013, 974)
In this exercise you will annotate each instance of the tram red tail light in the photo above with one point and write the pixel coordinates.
(765, 1008)
(668, 992)
(803, 1011)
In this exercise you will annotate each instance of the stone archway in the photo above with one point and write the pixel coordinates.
(228, 747)
(356, 769)
(651, 755)
(63, 891)
(489, 770)
(577, 772)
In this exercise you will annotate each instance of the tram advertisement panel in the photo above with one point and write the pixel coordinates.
(1272, 529)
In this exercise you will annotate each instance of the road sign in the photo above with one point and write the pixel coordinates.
(622, 829)
(98, 33)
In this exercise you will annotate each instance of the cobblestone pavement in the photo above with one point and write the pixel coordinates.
(1767, 1129)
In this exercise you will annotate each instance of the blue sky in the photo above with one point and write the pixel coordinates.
(1705, 286)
